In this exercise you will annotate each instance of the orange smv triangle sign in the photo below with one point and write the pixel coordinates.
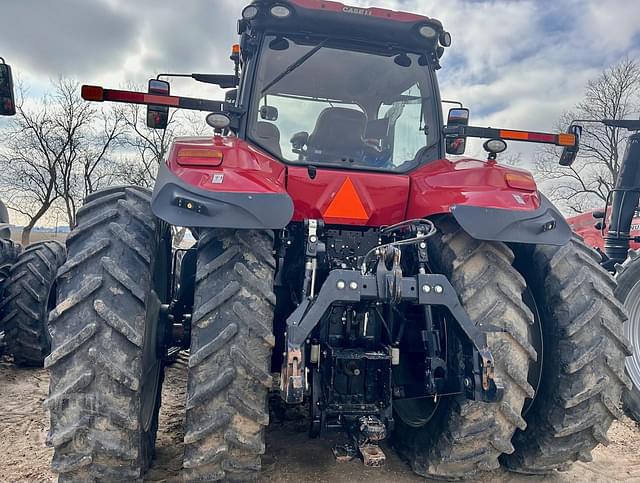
(346, 204)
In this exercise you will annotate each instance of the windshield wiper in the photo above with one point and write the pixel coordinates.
(294, 66)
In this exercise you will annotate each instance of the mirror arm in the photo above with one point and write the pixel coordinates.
(225, 81)
(98, 94)
(507, 134)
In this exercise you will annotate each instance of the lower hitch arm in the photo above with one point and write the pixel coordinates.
(350, 287)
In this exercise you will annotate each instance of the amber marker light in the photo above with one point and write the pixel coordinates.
(520, 181)
(199, 157)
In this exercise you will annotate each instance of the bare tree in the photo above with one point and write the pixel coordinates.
(29, 158)
(614, 94)
(53, 153)
(93, 135)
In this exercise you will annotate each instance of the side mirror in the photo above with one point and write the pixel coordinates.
(570, 153)
(457, 145)
(158, 116)
(7, 99)
(269, 113)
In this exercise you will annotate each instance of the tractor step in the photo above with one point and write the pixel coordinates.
(372, 455)
(344, 453)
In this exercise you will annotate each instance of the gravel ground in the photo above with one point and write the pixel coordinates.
(291, 455)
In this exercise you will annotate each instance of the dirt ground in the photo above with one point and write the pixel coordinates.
(291, 456)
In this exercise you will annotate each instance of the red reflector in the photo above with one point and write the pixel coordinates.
(520, 181)
(542, 138)
(124, 96)
(92, 93)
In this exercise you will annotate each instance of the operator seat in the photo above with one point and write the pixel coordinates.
(339, 133)
(268, 135)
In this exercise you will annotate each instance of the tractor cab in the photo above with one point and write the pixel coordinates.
(331, 89)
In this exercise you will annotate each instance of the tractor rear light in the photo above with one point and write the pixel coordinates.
(250, 12)
(428, 32)
(218, 121)
(445, 39)
(92, 93)
(280, 11)
(199, 157)
(523, 182)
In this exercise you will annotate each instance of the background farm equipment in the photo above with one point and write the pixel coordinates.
(397, 293)
(27, 278)
(615, 232)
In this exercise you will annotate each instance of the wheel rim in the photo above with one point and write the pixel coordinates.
(151, 354)
(417, 412)
(632, 331)
(537, 340)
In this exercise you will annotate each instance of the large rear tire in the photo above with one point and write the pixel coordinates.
(229, 366)
(9, 252)
(105, 373)
(29, 295)
(465, 437)
(628, 292)
(584, 350)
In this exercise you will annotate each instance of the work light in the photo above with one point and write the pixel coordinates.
(280, 11)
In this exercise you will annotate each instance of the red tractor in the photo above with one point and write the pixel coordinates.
(398, 294)
(615, 233)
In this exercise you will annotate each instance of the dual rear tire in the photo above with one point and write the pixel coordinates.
(105, 367)
(583, 374)
(576, 397)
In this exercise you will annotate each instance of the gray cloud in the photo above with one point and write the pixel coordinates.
(194, 35)
(69, 37)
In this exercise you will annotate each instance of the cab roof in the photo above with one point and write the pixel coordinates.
(340, 21)
(367, 12)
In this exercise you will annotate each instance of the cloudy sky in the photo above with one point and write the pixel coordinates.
(515, 63)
